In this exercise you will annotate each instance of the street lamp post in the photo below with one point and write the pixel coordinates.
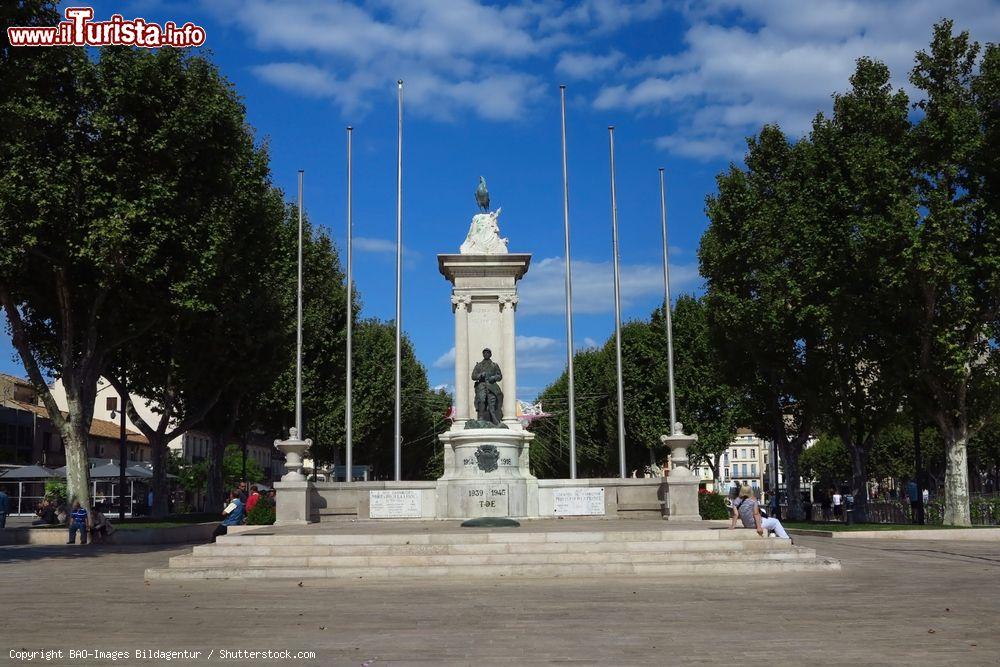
(122, 454)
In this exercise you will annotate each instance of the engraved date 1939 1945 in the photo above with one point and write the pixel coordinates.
(487, 497)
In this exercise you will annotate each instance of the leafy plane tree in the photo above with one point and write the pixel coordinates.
(120, 183)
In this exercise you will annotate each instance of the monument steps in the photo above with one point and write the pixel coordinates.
(699, 567)
(374, 555)
(483, 550)
(505, 559)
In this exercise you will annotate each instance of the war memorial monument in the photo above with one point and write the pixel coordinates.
(380, 529)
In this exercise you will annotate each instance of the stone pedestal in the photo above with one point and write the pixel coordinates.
(293, 506)
(486, 474)
(682, 484)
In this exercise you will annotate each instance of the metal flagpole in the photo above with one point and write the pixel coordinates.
(398, 431)
(666, 306)
(569, 298)
(618, 310)
(349, 454)
(298, 328)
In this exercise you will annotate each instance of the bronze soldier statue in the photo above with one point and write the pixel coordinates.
(489, 397)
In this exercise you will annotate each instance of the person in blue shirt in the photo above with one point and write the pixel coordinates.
(77, 523)
(914, 493)
(234, 514)
(4, 509)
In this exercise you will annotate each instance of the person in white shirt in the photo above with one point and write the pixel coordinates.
(838, 505)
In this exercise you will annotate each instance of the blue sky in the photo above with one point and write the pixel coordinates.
(684, 83)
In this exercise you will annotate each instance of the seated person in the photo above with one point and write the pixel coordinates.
(100, 527)
(749, 511)
(234, 513)
(46, 514)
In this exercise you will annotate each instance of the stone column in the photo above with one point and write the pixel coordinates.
(508, 365)
(461, 304)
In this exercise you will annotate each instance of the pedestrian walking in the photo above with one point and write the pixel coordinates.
(913, 492)
(78, 518)
(825, 506)
(838, 505)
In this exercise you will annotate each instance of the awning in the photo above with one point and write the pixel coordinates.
(29, 472)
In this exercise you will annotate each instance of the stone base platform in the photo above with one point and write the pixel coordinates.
(539, 548)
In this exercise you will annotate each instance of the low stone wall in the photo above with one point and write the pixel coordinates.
(963, 534)
(623, 498)
(196, 532)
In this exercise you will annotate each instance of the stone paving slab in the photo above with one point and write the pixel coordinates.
(895, 603)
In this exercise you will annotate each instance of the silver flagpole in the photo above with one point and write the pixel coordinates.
(398, 430)
(666, 302)
(618, 311)
(298, 328)
(349, 453)
(569, 298)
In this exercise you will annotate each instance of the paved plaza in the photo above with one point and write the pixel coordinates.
(894, 602)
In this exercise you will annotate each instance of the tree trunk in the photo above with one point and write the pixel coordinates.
(216, 482)
(956, 479)
(75, 432)
(74, 437)
(793, 489)
(859, 481)
(158, 483)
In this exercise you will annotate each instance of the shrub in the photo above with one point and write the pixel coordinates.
(262, 513)
(712, 506)
(55, 490)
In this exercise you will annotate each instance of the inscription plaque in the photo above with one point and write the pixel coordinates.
(394, 504)
(578, 501)
(486, 500)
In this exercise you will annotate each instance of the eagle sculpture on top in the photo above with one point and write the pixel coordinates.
(483, 195)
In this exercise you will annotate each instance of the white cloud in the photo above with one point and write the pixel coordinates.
(307, 80)
(534, 354)
(543, 289)
(385, 247)
(745, 63)
(588, 344)
(587, 65)
(455, 56)
(446, 360)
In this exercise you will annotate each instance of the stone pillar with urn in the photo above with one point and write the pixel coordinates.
(682, 484)
(293, 506)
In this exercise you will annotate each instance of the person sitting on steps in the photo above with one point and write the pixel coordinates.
(749, 511)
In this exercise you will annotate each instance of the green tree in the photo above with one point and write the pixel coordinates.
(859, 190)
(218, 315)
(751, 257)
(707, 404)
(115, 172)
(194, 477)
(423, 415)
(596, 436)
(954, 262)
(827, 462)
